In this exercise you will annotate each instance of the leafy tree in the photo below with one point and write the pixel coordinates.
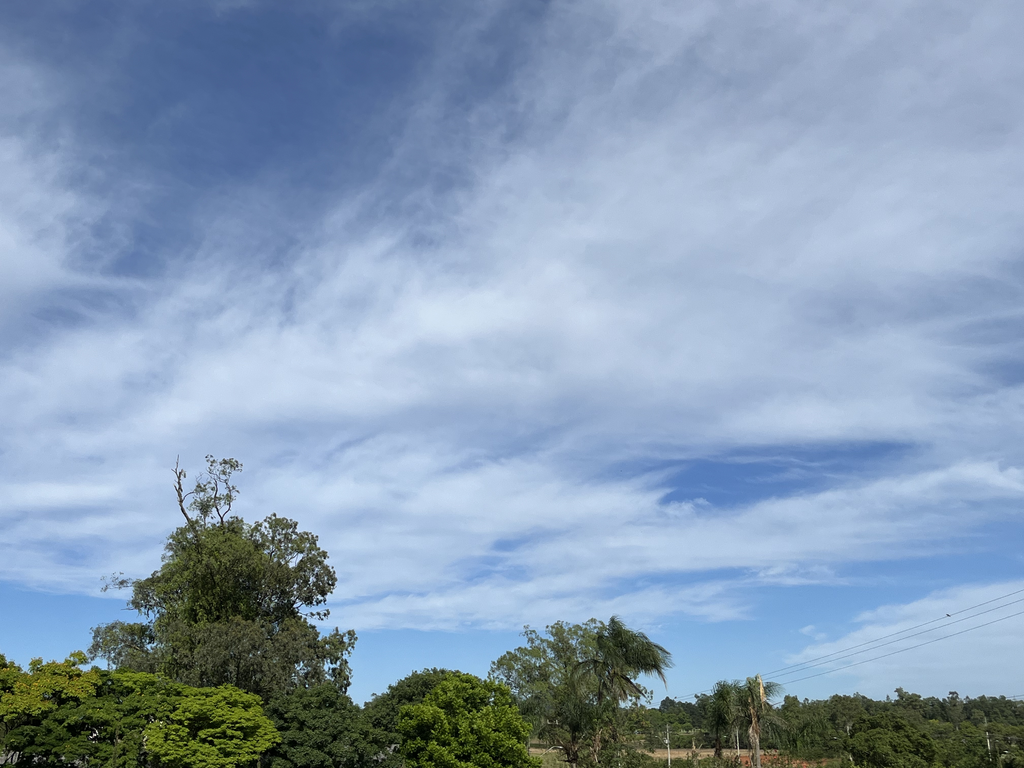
(756, 712)
(889, 741)
(59, 715)
(219, 727)
(621, 655)
(542, 677)
(232, 602)
(465, 722)
(572, 681)
(26, 698)
(320, 727)
(382, 711)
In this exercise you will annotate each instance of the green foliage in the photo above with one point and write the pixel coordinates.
(542, 675)
(219, 727)
(320, 727)
(56, 714)
(44, 688)
(721, 712)
(572, 682)
(889, 741)
(232, 602)
(620, 655)
(464, 722)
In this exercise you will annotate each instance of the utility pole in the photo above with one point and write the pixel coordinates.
(668, 745)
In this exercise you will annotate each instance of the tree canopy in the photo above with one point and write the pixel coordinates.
(232, 601)
(58, 714)
(465, 722)
(572, 681)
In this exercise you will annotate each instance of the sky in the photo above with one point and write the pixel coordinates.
(709, 315)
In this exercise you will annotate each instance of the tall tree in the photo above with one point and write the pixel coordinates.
(756, 712)
(572, 682)
(542, 675)
(720, 712)
(622, 655)
(232, 602)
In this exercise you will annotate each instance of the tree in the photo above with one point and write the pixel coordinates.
(756, 712)
(888, 741)
(542, 676)
(56, 714)
(320, 727)
(382, 711)
(465, 722)
(622, 654)
(572, 682)
(721, 712)
(232, 602)
(219, 727)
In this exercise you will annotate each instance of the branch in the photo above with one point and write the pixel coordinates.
(179, 475)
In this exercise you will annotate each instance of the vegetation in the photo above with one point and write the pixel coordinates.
(225, 668)
(465, 722)
(232, 602)
(573, 683)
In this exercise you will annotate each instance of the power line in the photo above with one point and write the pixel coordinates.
(801, 667)
(796, 668)
(901, 650)
(893, 634)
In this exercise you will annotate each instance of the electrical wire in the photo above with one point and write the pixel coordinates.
(902, 650)
(797, 668)
(902, 631)
(809, 664)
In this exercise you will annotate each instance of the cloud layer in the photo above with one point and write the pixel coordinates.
(655, 235)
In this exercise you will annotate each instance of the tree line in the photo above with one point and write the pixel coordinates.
(224, 667)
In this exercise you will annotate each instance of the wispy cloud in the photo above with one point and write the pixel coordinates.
(656, 234)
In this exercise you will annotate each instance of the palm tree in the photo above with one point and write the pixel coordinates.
(756, 712)
(622, 654)
(720, 712)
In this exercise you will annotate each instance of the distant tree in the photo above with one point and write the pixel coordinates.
(889, 741)
(465, 722)
(756, 712)
(720, 712)
(232, 602)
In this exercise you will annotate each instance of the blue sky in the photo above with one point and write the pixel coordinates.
(708, 315)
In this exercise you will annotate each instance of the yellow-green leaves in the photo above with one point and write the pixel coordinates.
(212, 728)
(44, 687)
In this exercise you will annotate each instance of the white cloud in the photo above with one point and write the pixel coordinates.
(708, 231)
